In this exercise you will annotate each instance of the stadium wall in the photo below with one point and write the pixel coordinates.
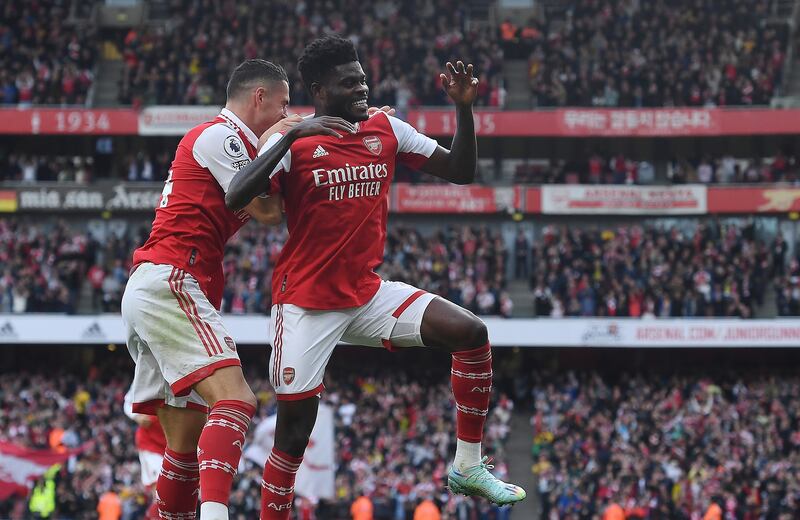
(546, 332)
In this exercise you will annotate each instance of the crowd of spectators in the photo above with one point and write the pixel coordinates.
(628, 53)
(677, 447)
(394, 441)
(710, 270)
(35, 168)
(705, 270)
(463, 264)
(43, 58)
(619, 169)
(402, 46)
(44, 267)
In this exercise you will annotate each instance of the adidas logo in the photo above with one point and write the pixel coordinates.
(319, 152)
(93, 331)
(7, 331)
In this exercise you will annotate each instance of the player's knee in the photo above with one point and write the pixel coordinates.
(471, 333)
(247, 396)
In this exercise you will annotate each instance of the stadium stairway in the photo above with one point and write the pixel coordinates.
(109, 73)
(516, 81)
(518, 451)
(520, 293)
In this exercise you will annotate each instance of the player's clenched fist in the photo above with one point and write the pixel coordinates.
(461, 86)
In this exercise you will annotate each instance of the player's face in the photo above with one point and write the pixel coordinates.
(346, 92)
(274, 103)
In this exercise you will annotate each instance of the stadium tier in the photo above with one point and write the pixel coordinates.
(630, 244)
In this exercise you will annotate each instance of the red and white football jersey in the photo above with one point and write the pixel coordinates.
(336, 194)
(192, 223)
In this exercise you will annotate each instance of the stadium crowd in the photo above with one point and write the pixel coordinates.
(45, 267)
(597, 168)
(672, 447)
(394, 440)
(43, 59)
(619, 169)
(187, 61)
(651, 54)
(710, 270)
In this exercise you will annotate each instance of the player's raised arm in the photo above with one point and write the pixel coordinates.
(459, 164)
(254, 179)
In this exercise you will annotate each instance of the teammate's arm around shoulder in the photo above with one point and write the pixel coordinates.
(459, 164)
(254, 179)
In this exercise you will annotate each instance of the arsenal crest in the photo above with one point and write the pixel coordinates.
(373, 144)
(288, 375)
(229, 341)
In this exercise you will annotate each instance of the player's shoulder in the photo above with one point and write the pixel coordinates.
(218, 136)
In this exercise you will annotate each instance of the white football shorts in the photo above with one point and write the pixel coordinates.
(303, 339)
(175, 337)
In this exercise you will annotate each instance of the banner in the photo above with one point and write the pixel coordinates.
(639, 122)
(19, 466)
(77, 121)
(563, 122)
(623, 200)
(753, 200)
(76, 198)
(105, 329)
(177, 120)
(446, 198)
(315, 478)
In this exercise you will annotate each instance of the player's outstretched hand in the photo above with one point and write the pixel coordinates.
(325, 125)
(461, 86)
(371, 111)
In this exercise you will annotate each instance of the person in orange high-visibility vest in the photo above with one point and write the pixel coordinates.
(361, 508)
(714, 512)
(614, 512)
(110, 506)
(427, 510)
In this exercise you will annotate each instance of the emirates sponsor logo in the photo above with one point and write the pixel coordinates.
(350, 173)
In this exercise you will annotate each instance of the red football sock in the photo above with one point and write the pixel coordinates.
(471, 379)
(220, 448)
(177, 486)
(277, 487)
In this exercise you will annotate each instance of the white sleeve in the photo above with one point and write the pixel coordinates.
(220, 149)
(409, 141)
(286, 162)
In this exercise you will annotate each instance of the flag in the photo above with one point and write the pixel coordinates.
(315, 478)
(19, 465)
(8, 201)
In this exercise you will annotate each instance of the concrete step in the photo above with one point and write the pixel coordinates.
(109, 74)
(518, 453)
(521, 295)
(516, 81)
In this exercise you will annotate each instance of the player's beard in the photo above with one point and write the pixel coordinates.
(351, 113)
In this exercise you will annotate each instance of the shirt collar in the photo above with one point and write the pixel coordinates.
(233, 118)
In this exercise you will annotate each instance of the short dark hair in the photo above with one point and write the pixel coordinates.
(322, 55)
(250, 72)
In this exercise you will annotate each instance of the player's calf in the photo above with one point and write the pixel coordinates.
(218, 452)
